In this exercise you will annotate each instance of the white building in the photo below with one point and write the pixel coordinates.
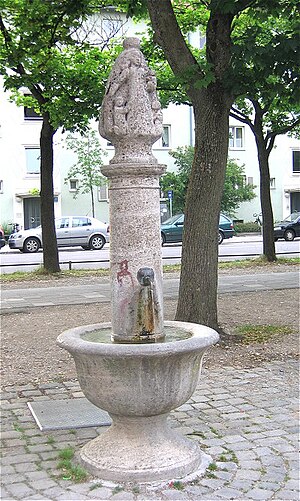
(19, 167)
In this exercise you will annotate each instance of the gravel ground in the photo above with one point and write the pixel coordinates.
(28, 344)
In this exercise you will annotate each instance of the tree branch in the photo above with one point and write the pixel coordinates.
(168, 36)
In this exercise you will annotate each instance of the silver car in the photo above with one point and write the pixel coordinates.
(71, 231)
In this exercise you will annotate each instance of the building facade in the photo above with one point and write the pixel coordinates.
(20, 160)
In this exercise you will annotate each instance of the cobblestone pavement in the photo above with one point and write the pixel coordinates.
(245, 419)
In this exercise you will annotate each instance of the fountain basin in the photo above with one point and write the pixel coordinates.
(139, 384)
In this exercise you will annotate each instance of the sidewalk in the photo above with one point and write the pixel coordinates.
(100, 291)
(245, 419)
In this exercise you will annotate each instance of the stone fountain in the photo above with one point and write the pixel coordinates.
(138, 368)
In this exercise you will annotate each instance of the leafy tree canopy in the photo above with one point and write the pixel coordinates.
(235, 190)
(89, 154)
(44, 48)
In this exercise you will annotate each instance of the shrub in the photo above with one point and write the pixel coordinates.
(249, 227)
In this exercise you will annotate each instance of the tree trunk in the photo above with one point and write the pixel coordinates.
(50, 252)
(92, 200)
(199, 265)
(197, 300)
(265, 195)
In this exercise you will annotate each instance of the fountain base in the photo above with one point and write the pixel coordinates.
(142, 450)
(139, 384)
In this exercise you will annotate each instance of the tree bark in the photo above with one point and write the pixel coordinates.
(265, 195)
(50, 252)
(197, 300)
(92, 200)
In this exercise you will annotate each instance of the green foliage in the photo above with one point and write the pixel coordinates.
(249, 227)
(89, 160)
(176, 484)
(261, 333)
(43, 48)
(70, 471)
(86, 171)
(235, 190)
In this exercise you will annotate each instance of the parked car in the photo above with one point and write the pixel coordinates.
(172, 229)
(71, 231)
(2, 238)
(289, 228)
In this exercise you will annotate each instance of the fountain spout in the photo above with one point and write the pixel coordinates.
(146, 306)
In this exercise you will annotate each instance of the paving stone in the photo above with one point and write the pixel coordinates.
(10, 434)
(50, 454)
(292, 484)
(37, 475)
(42, 484)
(126, 495)
(20, 490)
(13, 478)
(4, 495)
(71, 496)
(248, 474)
(229, 493)
(20, 458)
(288, 495)
(242, 484)
(40, 448)
(25, 467)
(7, 470)
(53, 492)
(259, 494)
(31, 393)
(36, 497)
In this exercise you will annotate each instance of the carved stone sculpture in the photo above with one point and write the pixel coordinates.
(131, 117)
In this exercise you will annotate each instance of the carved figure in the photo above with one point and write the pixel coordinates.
(130, 106)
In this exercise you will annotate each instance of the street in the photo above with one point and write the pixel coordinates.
(238, 247)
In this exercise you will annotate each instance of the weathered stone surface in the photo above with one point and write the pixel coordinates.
(131, 118)
(124, 370)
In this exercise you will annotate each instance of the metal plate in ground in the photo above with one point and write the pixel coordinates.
(67, 414)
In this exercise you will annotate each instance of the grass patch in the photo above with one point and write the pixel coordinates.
(179, 486)
(70, 471)
(19, 428)
(258, 262)
(212, 467)
(117, 489)
(249, 334)
(96, 486)
(40, 274)
(197, 434)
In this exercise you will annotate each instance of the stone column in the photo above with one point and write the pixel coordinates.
(131, 120)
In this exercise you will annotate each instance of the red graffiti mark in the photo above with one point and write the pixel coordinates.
(124, 272)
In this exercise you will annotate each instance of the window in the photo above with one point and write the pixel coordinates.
(250, 180)
(81, 221)
(296, 161)
(33, 160)
(202, 41)
(73, 185)
(103, 193)
(30, 114)
(272, 183)
(62, 223)
(165, 139)
(1, 185)
(236, 137)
